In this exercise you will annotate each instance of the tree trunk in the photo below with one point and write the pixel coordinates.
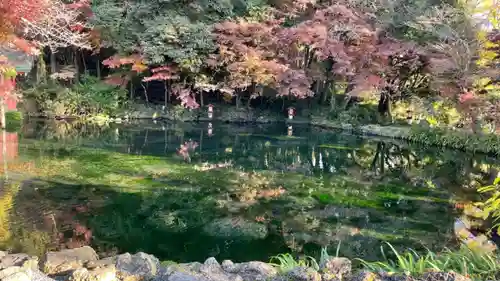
(85, 70)
(131, 90)
(76, 63)
(98, 68)
(332, 97)
(384, 105)
(41, 70)
(166, 93)
(53, 65)
(324, 91)
(145, 92)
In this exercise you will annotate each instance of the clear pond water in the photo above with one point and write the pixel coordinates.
(241, 192)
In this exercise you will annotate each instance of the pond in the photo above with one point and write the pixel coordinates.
(184, 192)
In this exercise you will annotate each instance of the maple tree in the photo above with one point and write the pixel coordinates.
(299, 49)
(336, 42)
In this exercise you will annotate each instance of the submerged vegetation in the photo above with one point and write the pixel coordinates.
(233, 193)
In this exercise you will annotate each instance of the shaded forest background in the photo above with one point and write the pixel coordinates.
(367, 61)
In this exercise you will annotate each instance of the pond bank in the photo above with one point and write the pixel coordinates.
(439, 137)
(83, 264)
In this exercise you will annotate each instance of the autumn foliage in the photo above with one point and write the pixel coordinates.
(305, 49)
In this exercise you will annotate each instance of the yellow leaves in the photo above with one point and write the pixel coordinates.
(481, 82)
(139, 67)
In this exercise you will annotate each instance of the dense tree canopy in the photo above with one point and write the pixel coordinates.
(295, 48)
(389, 51)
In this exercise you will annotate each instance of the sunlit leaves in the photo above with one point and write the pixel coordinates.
(117, 61)
(163, 73)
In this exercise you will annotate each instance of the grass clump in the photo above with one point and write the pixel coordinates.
(477, 266)
(287, 262)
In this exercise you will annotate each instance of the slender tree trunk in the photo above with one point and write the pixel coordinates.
(53, 65)
(389, 109)
(145, 92)
(76, 62)
(98, 68)
(41, 71)
(324, 91)
(166, 93)
(333, 94)
(131, 90)
(201, 98)
(85, 70)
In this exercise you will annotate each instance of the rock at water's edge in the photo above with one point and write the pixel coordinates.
(335, 269)
(64, 261)
(302, 273)
(139, 266)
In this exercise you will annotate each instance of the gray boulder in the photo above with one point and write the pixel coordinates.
(18, 273)
(444, 276)
(335, 269)
(65, 261)
(139, 266)
(18, 276)
(251, 271)
(107, 273)
(302, 273)
(210, 270)
(365, 276)
(8, 260)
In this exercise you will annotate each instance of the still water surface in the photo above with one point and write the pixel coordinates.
(240, 192)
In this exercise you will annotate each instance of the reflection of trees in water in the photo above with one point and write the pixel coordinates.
(364, 182)
(36, 223)
(362, 159)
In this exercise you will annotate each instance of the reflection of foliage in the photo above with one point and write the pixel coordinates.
(134, 180)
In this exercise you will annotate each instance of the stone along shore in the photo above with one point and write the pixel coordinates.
(83, 264)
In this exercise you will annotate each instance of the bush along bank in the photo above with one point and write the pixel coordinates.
(83, 264)
(438, 137)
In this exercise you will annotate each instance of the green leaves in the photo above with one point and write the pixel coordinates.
(479, 266)
(491, 206)
(162, 30)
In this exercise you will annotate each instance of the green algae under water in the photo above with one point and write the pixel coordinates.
(241, 193)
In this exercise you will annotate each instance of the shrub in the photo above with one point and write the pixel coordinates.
(492, 205)
(488, 143)
(89, 97)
